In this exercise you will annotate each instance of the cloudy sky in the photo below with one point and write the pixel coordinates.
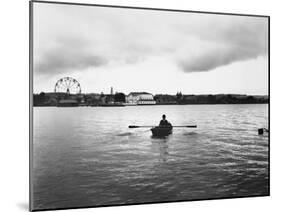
(146, 50)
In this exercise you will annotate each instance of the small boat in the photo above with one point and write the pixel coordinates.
(161, 131)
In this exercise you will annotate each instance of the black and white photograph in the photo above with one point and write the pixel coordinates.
(139, 105)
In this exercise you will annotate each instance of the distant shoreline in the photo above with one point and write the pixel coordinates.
(121, 100)
(155, 105)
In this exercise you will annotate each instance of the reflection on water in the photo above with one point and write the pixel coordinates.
(161, 145)
(87, 156)
(124, 134)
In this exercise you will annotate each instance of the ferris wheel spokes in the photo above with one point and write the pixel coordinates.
(68, 85)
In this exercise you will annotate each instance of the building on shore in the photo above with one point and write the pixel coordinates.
(140, 98)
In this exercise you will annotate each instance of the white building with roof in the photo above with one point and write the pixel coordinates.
(140, 98)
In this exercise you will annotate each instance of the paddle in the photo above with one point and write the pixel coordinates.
(189, 126)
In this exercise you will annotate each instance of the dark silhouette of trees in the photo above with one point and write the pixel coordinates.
(119, 97)
(39, 99)
(179, 97)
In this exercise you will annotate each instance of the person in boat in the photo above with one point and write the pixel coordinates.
(164, 122)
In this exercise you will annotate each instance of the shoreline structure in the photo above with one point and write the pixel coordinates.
(141, 98)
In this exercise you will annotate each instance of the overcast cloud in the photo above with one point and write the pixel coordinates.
(70, 38)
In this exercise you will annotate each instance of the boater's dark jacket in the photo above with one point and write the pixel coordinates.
(164, 123)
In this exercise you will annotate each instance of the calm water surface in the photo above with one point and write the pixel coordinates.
(87, 156)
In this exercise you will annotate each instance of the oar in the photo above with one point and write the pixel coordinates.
(134, 126)
(189, 126)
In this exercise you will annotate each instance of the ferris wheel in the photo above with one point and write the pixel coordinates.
(68, 85)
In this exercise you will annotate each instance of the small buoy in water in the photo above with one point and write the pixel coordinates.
(262, 130)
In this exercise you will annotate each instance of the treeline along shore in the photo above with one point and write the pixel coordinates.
(120, 99)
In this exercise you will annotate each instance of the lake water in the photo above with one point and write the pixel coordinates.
(87, 156)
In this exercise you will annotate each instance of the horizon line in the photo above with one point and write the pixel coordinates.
(160, 93)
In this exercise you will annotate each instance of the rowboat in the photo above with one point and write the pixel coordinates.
(161, 131)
